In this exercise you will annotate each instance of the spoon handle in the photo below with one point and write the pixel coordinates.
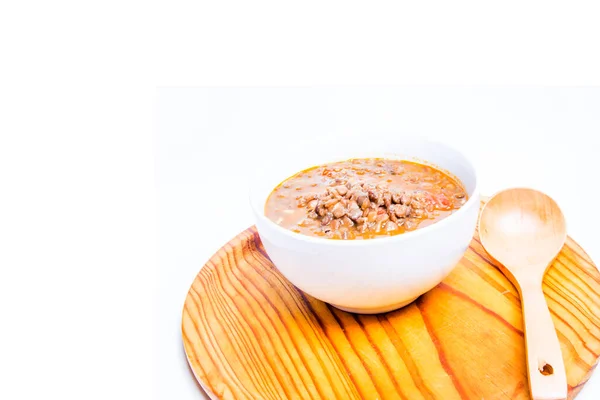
(547, 377)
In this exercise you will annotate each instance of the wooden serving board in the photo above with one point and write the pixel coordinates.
(250, 334)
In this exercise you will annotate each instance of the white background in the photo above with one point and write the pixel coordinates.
(210, 140)
(78, 251)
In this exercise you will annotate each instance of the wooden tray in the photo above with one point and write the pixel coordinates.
(250, 334)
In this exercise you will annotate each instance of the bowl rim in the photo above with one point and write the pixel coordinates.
(474, 198)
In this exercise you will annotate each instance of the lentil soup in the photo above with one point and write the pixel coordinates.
(364, 198)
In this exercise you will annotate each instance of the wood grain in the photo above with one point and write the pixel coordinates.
(250, 334)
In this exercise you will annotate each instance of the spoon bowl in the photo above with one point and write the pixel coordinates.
(524, 230)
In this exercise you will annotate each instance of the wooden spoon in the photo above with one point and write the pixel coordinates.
(524, 230)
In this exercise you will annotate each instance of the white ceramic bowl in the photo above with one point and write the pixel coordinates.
(374, 275)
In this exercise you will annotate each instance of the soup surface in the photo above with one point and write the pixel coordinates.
(364, 198)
